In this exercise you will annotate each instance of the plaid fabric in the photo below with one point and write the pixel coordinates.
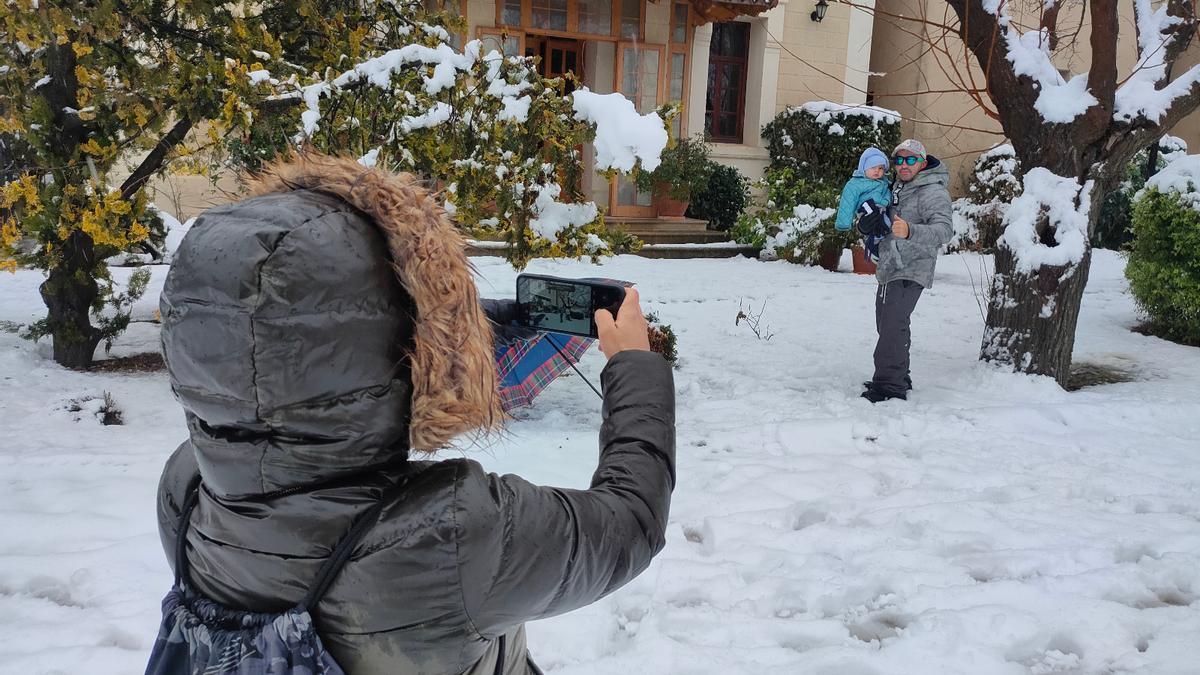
(529, 366)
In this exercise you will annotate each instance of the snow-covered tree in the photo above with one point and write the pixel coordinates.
(501, 141)
(99, 96)
(1074, 138)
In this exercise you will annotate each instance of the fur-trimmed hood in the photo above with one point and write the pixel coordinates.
(289, 340)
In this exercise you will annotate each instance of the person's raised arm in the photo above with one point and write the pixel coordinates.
(529, 551)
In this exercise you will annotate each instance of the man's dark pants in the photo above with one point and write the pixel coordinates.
(894, 304)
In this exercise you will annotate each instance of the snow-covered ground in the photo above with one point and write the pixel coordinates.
(992, 524)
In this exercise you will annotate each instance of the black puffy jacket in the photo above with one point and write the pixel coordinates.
(298, 356)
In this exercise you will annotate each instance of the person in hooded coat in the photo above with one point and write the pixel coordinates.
(323, 337)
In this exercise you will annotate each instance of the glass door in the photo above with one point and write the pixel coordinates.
(639, 70)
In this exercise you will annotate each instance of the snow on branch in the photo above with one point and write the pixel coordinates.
(1140, 95)
(623, 136)
(1064, 203)
(1059, 100)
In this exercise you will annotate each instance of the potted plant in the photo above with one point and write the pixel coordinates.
(683, 171)
(823, 244)
(862, 264)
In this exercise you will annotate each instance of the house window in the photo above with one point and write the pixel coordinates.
(675, 88)
(595, 17)
(679, 22)
(681, 29)
(631, 19)
(602, 18)
(725, 107)
(506, 42)
(550, 14)
(511, 13)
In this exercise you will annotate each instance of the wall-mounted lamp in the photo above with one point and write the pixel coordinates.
(819, 12)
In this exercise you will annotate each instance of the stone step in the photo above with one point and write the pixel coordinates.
(705, 237)
(657, 224)
(672, 251)
(679, 251)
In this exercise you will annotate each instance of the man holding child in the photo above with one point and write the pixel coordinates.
(906, 237)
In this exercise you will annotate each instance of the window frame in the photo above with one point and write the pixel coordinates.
(572, 31)
(743, 62)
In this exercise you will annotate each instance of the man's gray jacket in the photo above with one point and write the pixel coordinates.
(925, 203)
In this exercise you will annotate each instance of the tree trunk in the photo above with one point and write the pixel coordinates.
(69, 293)
(1032, 317)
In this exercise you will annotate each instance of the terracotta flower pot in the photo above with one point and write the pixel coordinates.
(665, 207)
(862, 264)
(829, 257)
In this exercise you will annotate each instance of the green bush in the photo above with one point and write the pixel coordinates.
(723, 199)
(1114, 225)
(684, 169)
(797, 220)
(750, 230)
(1164, 265)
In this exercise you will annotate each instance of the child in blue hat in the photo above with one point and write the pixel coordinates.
(868, 194)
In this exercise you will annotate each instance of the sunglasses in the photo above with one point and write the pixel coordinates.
(911, 160)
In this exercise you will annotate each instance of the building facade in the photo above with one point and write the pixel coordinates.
(731, 65)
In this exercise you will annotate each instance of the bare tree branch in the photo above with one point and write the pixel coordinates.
(1050, 23)
(1181, 33)
(1102, 78)
(154, 161)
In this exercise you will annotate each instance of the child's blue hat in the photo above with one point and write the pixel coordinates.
(870, 158)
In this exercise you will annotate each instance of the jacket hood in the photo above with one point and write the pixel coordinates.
(872, 157)
(326, 325)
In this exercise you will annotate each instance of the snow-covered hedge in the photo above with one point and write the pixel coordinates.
(979, 217)
(823, 140)
(814, 150)
(1114, 224)
(1164, 258)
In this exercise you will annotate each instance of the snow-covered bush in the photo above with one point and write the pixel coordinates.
(994, 184)
(1114, 224)
(822, 141)
(814, 151)
(1164, 257)
(500, 140)
(790, 226)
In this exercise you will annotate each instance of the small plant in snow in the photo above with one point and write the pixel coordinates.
(103, 408)
(662, 339)
(754, 321)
